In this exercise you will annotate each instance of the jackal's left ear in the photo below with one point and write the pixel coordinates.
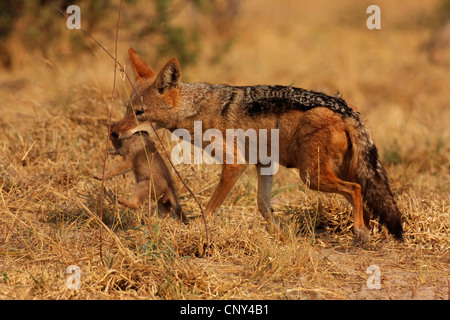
(169, 77)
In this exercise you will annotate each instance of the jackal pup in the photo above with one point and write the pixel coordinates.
(139, 152)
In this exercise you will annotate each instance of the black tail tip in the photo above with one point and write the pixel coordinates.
(399, 237)
(397, 232)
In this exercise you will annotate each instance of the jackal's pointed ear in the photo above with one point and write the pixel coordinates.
(141, 69)
(169, 76)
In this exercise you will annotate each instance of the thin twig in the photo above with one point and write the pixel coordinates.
(134, 90)
(109, 129)
(150, 198)
(115, 52)
(26, 153)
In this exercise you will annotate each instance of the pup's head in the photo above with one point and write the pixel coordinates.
(117, 143)
(154, 100)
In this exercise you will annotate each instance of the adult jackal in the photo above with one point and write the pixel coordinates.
(320, 135)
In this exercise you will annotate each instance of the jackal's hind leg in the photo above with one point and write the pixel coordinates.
(139, 196)
(329, 182)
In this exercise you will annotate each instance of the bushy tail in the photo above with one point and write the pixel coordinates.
(370, 174)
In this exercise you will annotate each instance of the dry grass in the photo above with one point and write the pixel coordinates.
(52, 141)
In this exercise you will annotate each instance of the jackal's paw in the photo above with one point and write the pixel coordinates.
(362, 235)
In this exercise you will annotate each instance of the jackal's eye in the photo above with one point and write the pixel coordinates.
(139, 112)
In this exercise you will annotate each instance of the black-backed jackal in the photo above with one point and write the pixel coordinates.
(321, 136)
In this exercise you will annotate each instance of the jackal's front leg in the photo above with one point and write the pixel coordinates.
(122, 168)
(230, 174)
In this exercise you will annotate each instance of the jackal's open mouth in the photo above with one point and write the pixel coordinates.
(141, 132)
(143, 127)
